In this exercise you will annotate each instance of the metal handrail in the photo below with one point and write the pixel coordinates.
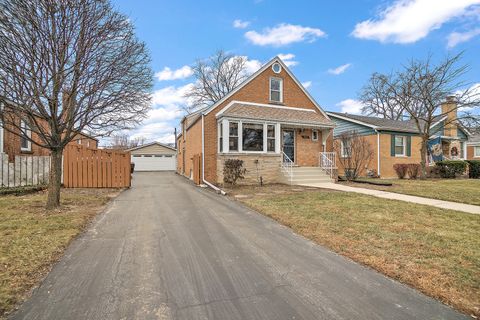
(287, 166)
(328, 163)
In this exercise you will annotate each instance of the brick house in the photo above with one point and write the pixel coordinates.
(13, 144)
(397, 141)
(269, 121)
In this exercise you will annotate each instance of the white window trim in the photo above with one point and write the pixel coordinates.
(238, 135)
(342, 150)
(314, 139)
(404, 154)
(28, 133)
(476, 151)
(226, 132)
(270, 89)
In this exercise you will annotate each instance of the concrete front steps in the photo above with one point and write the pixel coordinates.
(307, 175)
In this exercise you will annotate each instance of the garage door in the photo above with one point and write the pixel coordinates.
(154, 162)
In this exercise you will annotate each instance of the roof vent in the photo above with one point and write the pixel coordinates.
(276, 67)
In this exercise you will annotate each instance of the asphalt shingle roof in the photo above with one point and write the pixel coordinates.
(286, 115)
(382, 123)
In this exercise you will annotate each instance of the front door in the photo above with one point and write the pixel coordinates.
(288, 144)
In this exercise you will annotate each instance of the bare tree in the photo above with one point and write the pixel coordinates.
(354, 153)
(69, 65)
(420, 88)
(215, 77)
(123, 142)
(379, 98)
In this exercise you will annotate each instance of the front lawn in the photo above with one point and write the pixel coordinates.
(434, 250)
(456, 190)
(32, 239)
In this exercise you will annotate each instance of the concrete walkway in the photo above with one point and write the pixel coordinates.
(397, 196)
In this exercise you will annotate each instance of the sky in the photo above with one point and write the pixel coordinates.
(332, 47)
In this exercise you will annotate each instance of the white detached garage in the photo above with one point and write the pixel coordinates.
(154, 156)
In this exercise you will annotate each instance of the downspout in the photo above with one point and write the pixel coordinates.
(378, 153)
(203, 163)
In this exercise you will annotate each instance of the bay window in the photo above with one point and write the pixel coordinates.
(476, 151)
(271, 138)
(233, 136)
(252, 136)
(238, 136)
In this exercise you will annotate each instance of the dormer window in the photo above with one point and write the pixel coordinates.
(276, 90)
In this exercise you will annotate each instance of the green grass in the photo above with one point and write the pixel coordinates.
(32, 239)
(434, 250)
(456, 190)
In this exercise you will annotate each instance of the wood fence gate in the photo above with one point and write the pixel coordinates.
(95, 168)
(197, 168)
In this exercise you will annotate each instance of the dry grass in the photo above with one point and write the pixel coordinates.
(434, 250)
(33, 239)
(456, 190)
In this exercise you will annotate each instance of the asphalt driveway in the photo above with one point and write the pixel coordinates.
(168, 250)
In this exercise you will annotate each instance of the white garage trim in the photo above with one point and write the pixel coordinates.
(154, 156)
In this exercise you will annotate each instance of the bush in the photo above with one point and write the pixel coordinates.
(400, 169)
(413, 170)
(233, 170)
(451, 168)
(474, 169)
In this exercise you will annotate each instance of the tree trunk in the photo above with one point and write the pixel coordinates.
(423, 161)
(55, 180)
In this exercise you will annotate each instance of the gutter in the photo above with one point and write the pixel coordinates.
(378, 152)
(217, 189)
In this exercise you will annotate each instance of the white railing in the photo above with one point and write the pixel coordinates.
(287, 166)
(328, 163)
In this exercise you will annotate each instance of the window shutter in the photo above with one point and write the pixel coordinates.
(392, 145)
(409, 146)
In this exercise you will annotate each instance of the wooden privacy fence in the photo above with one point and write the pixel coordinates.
(24, 171)
(95, 168)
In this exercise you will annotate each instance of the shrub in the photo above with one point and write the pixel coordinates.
(451, 168)
(474, 169)
(233, 170)
(413, 170)
(400, 169)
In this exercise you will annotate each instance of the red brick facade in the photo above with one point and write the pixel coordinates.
(255, 91)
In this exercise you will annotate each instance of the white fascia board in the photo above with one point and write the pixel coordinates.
(352, 120)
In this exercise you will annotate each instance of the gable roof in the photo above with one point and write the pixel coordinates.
(286, 115)
(151, 144)
(254, 75)
(474, 139)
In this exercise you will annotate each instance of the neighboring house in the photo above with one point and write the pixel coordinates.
(397, 141)
(13, 144)
(473, 147)
(269, 121)
(154, 156)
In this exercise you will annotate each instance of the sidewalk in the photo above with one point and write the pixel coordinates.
(397, 196)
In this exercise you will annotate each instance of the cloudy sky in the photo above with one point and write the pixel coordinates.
(331, 46)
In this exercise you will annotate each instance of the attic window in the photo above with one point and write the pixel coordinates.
(276, 90)
(276, 67)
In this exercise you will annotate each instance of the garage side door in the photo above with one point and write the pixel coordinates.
(157, 162)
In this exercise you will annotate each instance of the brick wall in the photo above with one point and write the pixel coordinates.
(266, 166)
(471, 154)
(192, 140)
(371, 165)
(306, 150)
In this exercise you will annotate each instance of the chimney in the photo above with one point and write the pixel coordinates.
(449, 108)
